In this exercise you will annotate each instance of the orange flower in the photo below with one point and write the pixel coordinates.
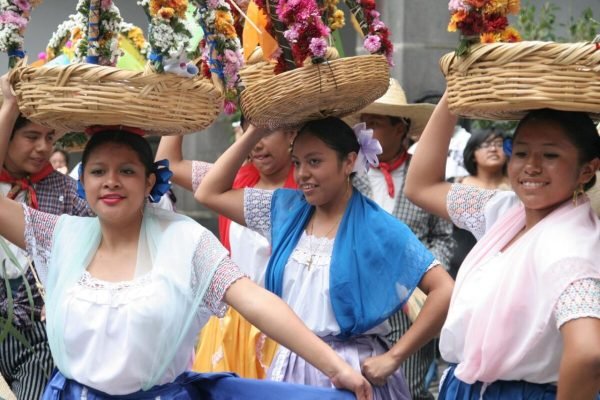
(511, 35)
(513, 6)
(76, 34)
(166, 13)
(456, 17)
(488, 38)
(224, 24)
(180, 6)
(154, 6)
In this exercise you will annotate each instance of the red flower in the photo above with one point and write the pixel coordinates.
(471, 25)
(495, 23)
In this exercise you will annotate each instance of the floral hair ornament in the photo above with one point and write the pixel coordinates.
(507, 144)
(161, 186)
(370, 148)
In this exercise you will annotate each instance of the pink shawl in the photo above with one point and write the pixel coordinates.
(517, 314)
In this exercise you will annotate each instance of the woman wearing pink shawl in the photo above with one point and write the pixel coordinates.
(524, 319)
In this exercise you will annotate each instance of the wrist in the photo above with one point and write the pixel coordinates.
(397, 353)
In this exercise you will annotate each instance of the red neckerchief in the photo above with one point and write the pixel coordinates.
(387, 169)
(247, 176)
(20, 184)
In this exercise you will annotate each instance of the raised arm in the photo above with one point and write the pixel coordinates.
(215, 191)
(12, 223)
(272, 316)
(425, 182)
(170, 148)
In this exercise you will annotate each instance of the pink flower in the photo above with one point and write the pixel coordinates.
(12, 18)
(375, 14)
(105, 4)
(229, 107)
(378, 25)
(213, 4)
(42, 56)
(231, 57)
(293, 33)
(318, 47)
(372, 43)
(23, 5)
(456, 5)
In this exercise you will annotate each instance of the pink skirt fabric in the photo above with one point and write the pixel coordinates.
(289, 367)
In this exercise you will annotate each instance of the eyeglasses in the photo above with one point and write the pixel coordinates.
(496, 143)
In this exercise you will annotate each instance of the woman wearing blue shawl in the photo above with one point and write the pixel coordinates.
(342, 263)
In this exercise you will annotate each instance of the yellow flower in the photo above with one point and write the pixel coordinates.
(180, 7)
(511, 35)
(513, 6)
(337, 21)
(488, 38)
(136, 35)
(76, 34)
(224, 24)
(166, 13)
(154, 6)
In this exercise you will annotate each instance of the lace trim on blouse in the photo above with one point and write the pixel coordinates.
(39, 231)
(581, 299)
(466, 206)
(199, 171)
(313, 251)
(257, 210)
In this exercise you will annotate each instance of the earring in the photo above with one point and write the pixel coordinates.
(291, 147)
(576, 193)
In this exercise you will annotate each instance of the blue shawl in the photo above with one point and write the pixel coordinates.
(376, 264)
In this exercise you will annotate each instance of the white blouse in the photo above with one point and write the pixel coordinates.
(477, 210)
(112, 327)
(306, 276)
(250, 251)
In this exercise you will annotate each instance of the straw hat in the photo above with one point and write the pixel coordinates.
(393, 103)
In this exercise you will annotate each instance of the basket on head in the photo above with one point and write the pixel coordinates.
(504, 80)
(335, 88)
(72, 97)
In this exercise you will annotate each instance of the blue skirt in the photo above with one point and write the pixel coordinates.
(455, 389)
(191, 385)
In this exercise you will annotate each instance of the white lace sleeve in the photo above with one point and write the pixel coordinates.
(580, 299)
(39, 232)
(466, 206)
(211, 262)
(199, 171)
(257, 210)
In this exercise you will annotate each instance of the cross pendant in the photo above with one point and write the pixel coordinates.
(310, 261)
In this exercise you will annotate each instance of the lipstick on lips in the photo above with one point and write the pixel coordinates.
(111, 199)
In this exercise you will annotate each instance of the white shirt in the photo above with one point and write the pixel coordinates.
(379, 187)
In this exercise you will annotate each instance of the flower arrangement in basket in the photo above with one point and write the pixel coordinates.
(306, 85)
(482, 21)
(72, 97)
(494, 75)
(14, 17)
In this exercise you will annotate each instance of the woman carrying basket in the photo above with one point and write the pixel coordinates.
(342, 263)
(524, 321)
(127, 292)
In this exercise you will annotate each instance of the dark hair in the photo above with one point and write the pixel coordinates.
(476, 139)
(64, 154)
(578, 127)
(334, 132)
(134, 141)
(19, 123)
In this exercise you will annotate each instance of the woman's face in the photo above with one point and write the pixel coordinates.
(490, 154)
(29, 149)
(544, 168)
(115, 183)
(57, 159)
(319, 173)
(271, 154)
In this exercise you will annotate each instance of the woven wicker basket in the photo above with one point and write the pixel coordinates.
(504, 80)
(336, 88)
(72, 97)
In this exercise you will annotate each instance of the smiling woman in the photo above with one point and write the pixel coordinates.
(537, 261)
(128, 290)
(337, 258)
